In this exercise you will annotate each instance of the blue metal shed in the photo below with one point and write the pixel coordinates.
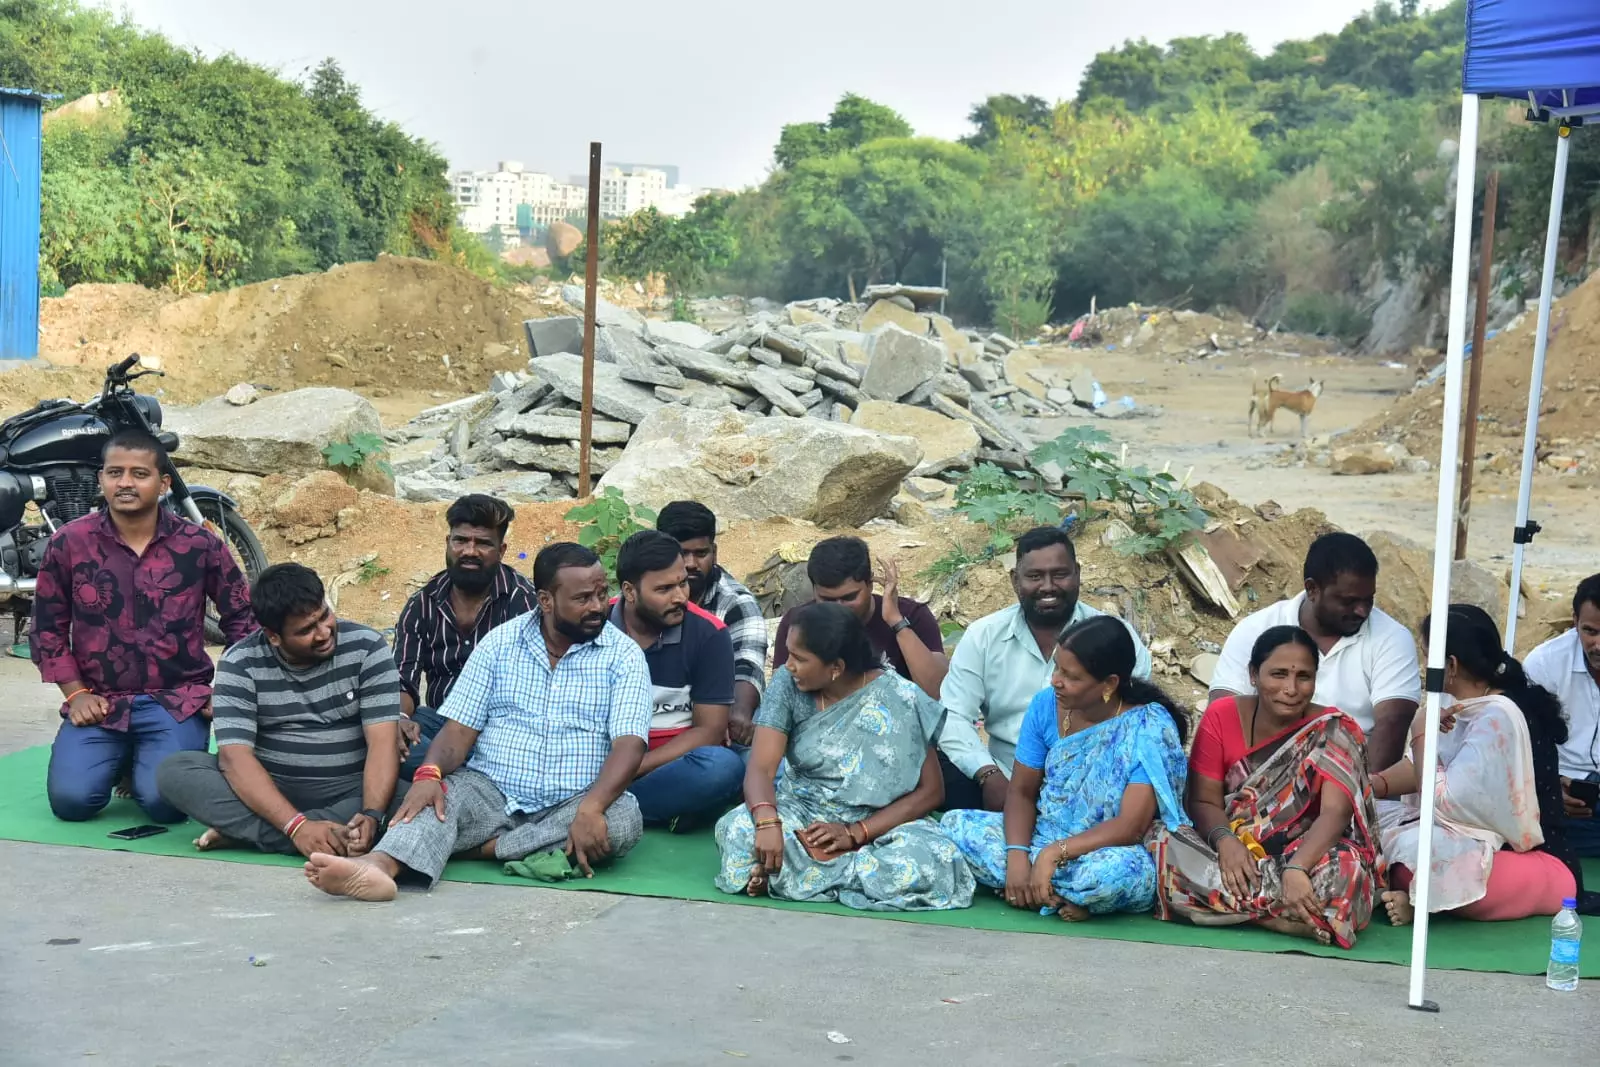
(21, 162)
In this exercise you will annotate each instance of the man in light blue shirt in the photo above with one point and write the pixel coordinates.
(544, 730)
(1002, 661)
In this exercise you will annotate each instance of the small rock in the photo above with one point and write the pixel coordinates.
(241, 394)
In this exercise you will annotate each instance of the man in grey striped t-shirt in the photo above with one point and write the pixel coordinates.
(307, 717)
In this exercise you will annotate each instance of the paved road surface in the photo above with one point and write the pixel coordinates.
(159, 975)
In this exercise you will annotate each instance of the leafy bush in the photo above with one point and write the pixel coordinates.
(356, 452)
(606, 521)
(1163, 511)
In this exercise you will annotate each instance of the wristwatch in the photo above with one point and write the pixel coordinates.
(378, 818)
(903, 624)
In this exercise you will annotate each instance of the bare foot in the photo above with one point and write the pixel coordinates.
(357, 879)
(1071, 912)
(124, 787)
(484, 851)
(1398, 904)
(757, 886)
(1298, 929)
(211, 839)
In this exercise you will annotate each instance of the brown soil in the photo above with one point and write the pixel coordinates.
(1571, 403)
(377, 326)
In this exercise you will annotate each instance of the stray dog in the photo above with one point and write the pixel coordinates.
(1260, 392)
(1264, 407)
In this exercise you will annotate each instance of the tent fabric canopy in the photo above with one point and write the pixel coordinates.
(1546, 50)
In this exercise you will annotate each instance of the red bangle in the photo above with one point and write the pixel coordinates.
(428, 772)
(292, 827)
(70, 697)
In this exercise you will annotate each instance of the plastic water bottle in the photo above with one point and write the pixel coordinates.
(1566, 930)
(1099, 400)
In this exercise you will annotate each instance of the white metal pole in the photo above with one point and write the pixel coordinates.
(1444, 533)
(1530, 433)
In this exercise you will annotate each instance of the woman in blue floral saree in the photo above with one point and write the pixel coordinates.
(849, 821)
(1099, 762)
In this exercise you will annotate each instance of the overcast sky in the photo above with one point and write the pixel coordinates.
(705, 84)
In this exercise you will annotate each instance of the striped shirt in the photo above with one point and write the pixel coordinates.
(428, 643)
(737, 608)
(543, 734)
(306, 722)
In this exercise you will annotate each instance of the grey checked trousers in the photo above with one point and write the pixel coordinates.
(475, 812)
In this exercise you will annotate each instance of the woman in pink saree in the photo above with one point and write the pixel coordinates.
(1498, 849)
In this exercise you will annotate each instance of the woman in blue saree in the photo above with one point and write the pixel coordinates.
(849, 821)
(1099, 762)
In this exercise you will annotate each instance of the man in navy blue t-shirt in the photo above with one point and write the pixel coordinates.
(688, 776)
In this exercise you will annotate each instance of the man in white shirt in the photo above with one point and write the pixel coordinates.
(1569, 666)
(1369, 661)
(1002, 661)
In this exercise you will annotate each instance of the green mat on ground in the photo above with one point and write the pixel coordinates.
(682, 866)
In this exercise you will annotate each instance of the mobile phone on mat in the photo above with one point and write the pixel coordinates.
(134, 833)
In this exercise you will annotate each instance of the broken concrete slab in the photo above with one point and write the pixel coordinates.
(745, 467)
(605, 312)
(547, 337)
(654, 375)
(769, 384)
(555, 458)
(695, 395)
(622, 347)
(922, 296)
(570, 428)
(689, 334)
(619, 399)
(280, 433)
(898, 361)
(705, 366)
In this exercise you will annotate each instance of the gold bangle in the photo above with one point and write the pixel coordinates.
(1062, 859)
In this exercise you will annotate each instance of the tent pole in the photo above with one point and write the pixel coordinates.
(1523, 534)
(1444, 534)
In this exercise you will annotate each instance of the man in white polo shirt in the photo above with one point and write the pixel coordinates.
(1569, 666)
(1369, 661)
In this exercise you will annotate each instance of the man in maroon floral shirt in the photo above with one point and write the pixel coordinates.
(119, 621)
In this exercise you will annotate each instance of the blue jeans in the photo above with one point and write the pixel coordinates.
(1583, 835)
(694, 788)
(87, 761)
(431, 722)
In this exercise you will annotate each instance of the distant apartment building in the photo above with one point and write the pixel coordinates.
(629, 188)
(488, 200)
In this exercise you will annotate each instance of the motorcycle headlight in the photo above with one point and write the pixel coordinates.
(150, 408)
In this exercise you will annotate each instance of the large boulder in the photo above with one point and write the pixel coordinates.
(947, 444)
(898, 362)
(884, 312)
(1372, 457)
(1405, 580)
(282, 433)
(563, 238)
(622, 400)
(743, 466)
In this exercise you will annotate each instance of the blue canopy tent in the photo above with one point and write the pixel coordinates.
(1546, 52)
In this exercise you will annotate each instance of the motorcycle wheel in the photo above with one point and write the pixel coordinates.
(229, 525)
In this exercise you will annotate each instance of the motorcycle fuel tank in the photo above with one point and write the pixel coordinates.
(77, 437)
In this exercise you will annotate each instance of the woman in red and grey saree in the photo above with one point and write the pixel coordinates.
(1285, 834)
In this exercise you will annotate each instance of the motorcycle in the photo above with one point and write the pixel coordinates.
(50, 457)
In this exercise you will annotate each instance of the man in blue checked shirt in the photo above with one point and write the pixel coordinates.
(544, 729)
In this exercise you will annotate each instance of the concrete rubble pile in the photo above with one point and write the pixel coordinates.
(891, 365)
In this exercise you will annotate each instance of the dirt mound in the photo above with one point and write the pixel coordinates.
(1571, 402)
(390, 323)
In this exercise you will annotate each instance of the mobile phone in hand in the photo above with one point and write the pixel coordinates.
(134, 833)
(1588, 792)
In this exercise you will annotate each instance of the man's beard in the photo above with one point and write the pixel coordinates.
(698, 584)
(657, 622)
(472, 580)
(1056, 616)
(584, 630)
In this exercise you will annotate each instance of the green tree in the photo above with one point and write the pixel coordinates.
(867, 214)
(1004, 110)
(854, 122)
